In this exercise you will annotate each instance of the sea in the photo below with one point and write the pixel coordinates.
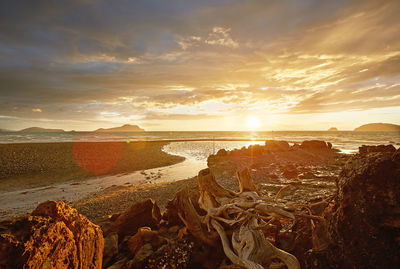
(206, 143)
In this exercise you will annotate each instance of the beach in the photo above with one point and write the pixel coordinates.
(156, 213)
(30, 165)
(96, 176)
(308, 174)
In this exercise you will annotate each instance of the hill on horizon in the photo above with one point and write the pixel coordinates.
(123, 128)
(386, 127)
(41, 130)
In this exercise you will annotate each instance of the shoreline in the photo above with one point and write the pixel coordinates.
(316, 168)
(31, 165)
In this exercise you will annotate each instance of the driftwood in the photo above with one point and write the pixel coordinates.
(245, 216)
(192, 220)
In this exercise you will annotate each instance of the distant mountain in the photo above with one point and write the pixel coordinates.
(333, 129)
(123, 128)
(387, 127)
(41, 130)
(4, 130)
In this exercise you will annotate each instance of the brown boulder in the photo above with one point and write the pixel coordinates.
(275, 145)
(144, 236)
(110, 248)
(54, 236)
(290, 171)
(380, 148)
(222, 152)
(10, 251)
(314, 145)
(366, 221)
(256, 150)
(141, 214)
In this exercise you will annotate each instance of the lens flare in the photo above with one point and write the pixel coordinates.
(99, 157)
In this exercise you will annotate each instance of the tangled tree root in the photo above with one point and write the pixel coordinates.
(246, 217)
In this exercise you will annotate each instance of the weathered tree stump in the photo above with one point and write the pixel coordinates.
(242, 215)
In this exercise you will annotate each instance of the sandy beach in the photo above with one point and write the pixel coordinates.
(30, 165)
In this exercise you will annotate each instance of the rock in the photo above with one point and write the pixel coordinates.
(333, 129)
(174, 229)
(275, 145)
(307, 175)
(143, 253)
(380, 148)
(178, 254)
(145, 213)
(396, 156)
(54, 236)
(256, 150)
(314, 145)
(222, 152)
(329, 144)
(10, 250)
(366, 221)
(121, 264)
(110, 248)
(113, 217)
(290, 171)
(143, 236)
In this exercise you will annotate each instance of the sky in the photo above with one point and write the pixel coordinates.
(199, 65)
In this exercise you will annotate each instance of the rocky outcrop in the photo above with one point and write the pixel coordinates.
(144, 236)
(110, 248)
(366, 222)
(222, 152)
(380, 148)
(144, 247)
(275, 145)
(145, 213)
(54, 236)
(315, 145)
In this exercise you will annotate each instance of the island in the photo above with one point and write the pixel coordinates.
(333, 129)
(41, 130)
(123, 128)
(376, 127)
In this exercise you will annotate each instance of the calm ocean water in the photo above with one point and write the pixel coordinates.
(347, 141)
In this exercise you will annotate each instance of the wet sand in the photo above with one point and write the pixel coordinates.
(32, 165)
(23, 201)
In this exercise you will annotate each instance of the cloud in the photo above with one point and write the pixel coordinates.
(169, 116)
(129, 60)
(220, 36)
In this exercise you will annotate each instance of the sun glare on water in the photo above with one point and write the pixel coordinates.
(252, 122)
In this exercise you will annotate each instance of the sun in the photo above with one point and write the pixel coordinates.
(252, 122)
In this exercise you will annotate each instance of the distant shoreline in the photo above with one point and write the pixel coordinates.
(192, 131)
(208, 136)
